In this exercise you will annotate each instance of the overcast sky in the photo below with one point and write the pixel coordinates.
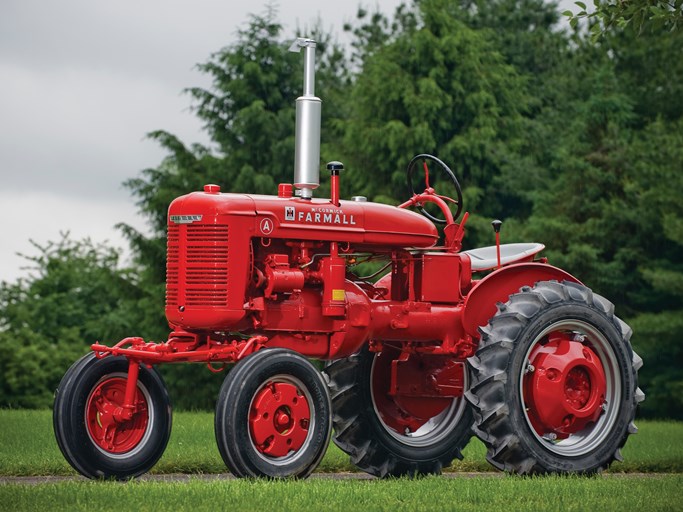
(83, 81)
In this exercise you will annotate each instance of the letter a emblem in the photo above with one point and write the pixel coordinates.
(266, 226)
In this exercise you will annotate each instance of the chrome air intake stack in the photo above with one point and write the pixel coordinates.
(308, 109)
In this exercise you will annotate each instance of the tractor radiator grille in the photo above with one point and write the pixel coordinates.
(197, 265)
(172, 264)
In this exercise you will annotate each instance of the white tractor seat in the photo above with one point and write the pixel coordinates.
(485, 258)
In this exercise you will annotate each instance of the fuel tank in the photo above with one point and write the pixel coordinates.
(360, 223)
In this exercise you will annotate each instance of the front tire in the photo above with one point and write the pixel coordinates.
(90, 439)
(273, 416)
(554, 382)
(382, 437)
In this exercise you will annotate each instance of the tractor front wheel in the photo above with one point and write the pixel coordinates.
(387, 435)
(554, 382)
(273, 416)
(88, 426)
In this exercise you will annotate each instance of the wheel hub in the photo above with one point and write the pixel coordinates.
(103, 418)
(279, 419)
(565, 386)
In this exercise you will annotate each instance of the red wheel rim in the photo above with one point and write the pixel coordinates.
(414, 421)
(401, 414)
(107, 432)
(564, 387)
(279, 419)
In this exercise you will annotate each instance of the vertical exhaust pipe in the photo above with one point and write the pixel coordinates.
(308, 111)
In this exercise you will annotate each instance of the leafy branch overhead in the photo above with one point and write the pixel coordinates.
(633, 15)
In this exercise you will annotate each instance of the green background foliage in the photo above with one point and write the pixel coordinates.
(572, 142)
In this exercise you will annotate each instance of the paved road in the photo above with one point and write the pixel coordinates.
(180, 477)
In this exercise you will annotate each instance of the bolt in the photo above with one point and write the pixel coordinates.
(282, 419)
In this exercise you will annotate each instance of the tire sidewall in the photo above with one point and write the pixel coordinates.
(621, 351)
(70, 420)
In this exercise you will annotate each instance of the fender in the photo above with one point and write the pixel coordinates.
(480, 304)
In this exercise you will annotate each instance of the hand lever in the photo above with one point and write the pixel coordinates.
(496, 227)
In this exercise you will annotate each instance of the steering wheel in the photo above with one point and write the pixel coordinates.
(424, 168)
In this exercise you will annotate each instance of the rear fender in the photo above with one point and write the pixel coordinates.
(480, 304)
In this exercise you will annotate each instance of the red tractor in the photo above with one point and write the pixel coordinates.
(493, 342)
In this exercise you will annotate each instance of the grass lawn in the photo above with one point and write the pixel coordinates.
(485, 492)
(28, 447)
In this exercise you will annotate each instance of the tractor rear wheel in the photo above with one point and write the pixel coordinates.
(554, 382)
(90, 435)
(273, 416)
(379, 433)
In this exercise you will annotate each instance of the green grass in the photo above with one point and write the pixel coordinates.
(27, 447)
(509, 493)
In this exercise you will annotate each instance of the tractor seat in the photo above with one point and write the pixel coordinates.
(484, 258)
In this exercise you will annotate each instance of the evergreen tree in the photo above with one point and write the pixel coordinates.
(436, 86)
(656, 184)
(573, 144)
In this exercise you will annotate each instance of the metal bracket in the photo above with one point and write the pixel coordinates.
(301, 42)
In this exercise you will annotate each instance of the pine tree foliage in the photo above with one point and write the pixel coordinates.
(572, 143)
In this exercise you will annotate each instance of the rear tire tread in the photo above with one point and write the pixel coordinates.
(354, 427)
(492, 422)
